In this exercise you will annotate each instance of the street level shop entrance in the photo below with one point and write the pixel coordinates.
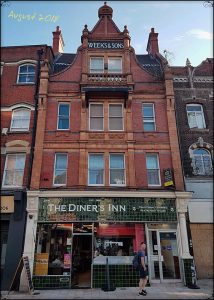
(64, 254)
(75, 236)
(164, 262)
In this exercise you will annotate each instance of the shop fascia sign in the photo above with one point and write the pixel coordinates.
(7, 204)
(86, 208)
(71, 207)
(106, 45)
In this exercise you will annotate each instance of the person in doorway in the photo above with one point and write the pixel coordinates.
(143, 271)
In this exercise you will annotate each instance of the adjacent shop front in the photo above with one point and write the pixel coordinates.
(75, 238)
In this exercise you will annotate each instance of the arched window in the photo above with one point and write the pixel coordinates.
(195, 116)
(20, 119)
(26, 74)
(202, 162)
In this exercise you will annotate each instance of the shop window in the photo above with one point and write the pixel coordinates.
(26, 74)
(20, 119)
(153, 171)
(117, 169)
(63, 116)
(96, 117)
(115, 117)
(114, 240)
(96, 65)
(53, 249)
(148, 117)
(115, 65)
(60, 169)
(96, 169)
(14, 170)
(202, 162)
(195, 116)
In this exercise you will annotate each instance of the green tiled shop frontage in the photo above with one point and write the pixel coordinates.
(51, 282)
(120, 276)
(187, 271)
(132, 209)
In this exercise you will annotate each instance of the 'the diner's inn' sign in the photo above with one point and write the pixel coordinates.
(105, 45)
(106, 209)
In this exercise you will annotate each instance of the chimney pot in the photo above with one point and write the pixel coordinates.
(58, 43)
(152, 45)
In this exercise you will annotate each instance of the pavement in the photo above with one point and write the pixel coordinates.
(155, 291)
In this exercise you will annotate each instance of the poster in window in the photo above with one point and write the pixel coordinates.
(67, 261)
(41, 263)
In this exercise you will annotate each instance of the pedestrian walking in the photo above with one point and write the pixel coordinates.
(143, 271)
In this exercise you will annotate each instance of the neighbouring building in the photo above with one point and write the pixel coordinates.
(107, 172)
(193, 88)
(19, 82)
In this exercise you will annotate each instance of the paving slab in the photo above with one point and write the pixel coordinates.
(155, 291)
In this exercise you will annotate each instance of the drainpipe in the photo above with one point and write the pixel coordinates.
(36, 97)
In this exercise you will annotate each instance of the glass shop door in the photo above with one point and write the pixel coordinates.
(163, 256)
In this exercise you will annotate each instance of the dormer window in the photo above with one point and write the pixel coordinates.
(96, 65)
(111, 65)
(26, 74)
(115, 65)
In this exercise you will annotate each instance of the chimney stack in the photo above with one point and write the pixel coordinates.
(58, 43)
(152, 45)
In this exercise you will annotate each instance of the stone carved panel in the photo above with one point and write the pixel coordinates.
(32, 204)
(181, 205)
(96, 136)
(119, 136)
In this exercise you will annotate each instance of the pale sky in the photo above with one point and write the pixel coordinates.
(185, 27)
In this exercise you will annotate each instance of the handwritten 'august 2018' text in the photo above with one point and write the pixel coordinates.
(32, 17)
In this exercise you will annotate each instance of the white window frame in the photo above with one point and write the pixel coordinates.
(68, 104)
(89, 125)
(54, 175)
(148, 121)
(115, 117)
(124, 163)
(195, 113)
(31, 82)
(96, 71)
(4, 174)
(115, 58)
(202, 162)
(94, 184)
(159, 177)
(13, 113)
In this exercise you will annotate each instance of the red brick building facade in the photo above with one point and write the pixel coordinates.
(19, 81)
(106, 173)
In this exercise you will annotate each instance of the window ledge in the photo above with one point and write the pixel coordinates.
(18, 131)
(11, 187)
(198, 129)
(24, 83)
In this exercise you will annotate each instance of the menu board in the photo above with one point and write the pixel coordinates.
(41, 263)
(28, 273)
